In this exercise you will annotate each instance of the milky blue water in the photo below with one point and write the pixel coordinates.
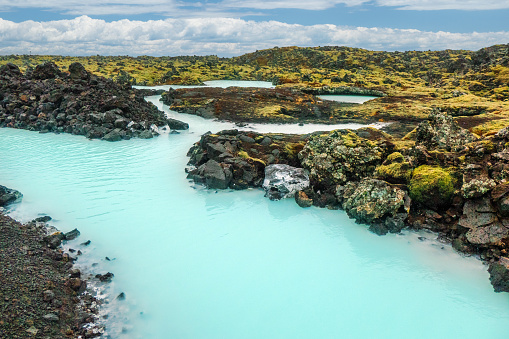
(356, 99)
(196, 263)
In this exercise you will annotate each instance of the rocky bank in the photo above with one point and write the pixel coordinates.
(440, 177)
(46, 99)
(42, 294)
(262, 105)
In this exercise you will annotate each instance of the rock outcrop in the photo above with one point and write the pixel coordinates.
(237, 160)
(241, 104)
(342, 156)
(78, 102)
(8, 196)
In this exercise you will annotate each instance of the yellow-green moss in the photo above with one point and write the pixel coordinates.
(395, 157)
(432, 186)
(395, 170)
(245, 155)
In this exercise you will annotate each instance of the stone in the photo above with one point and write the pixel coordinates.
(246, 139)
(341, 156)
(283, 181)
(44, 219)
(9, 196)
(113, 136)
(491, 234)
(215, 176)
(371, 201)
(48, 295)
(302, 199)
(215, 150)
(54, 240)
(177, 124)
(47, 70)
(442, 132)
(72, 234)
(146, 134)
(10, 70)
(51, 317)
(77, 71)
(105, 277)
(499, 275)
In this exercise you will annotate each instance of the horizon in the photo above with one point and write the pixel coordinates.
(239, 55)
(229, 28)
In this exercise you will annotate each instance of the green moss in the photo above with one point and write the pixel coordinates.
(432, 186)
(245, 155)
(396, 173)
(395, 157)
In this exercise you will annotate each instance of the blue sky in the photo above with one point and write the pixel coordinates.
(228, 27)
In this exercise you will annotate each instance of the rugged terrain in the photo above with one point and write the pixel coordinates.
(49, 100)
(473, 86)
(442, 178)
(41, 294)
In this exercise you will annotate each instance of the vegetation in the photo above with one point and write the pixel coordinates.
(432, 185)
(471, 85)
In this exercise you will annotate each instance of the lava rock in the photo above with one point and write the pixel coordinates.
(283, 181)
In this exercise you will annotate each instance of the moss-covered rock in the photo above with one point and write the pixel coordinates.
(432, 186)
(341, 156)
(372, 201)
(442, 132)
(395, 169)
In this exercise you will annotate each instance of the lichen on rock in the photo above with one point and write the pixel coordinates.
(441, 131)
(372, 201)
(341, 156)
(395, 169)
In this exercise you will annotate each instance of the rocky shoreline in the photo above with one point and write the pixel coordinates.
(77, 102)
(43, 294)
(261, 105)
(440, 177)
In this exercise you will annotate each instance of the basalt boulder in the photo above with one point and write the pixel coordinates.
(283, 181)
(442, 132)
(8, 196)
(499, 275)
(376, 202)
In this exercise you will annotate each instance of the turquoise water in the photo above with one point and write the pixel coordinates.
(356, 99)
(195, 263)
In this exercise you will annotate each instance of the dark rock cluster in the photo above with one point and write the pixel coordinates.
(235, 159)
(46, 99)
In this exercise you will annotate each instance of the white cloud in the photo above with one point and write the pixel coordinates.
(232, 8)
(221, 36)
(423, 5)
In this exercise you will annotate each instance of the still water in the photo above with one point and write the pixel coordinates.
(196, 263)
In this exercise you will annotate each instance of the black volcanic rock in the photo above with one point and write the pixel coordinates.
(78, 102)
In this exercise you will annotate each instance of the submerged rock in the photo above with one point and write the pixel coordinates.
(283, 181)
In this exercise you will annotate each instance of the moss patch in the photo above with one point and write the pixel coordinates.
(432, 186)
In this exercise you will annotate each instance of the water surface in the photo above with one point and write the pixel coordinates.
(198, 263)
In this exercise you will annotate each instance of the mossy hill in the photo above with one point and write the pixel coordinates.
(473, 86)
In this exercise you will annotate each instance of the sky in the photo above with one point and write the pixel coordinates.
(234, 27)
